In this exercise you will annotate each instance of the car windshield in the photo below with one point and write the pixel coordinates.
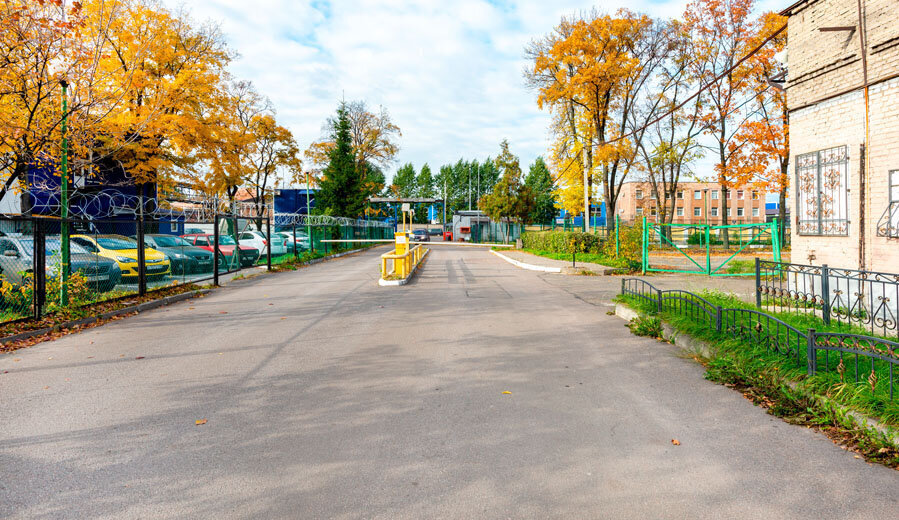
(52, 247)
(169, 241)
(225, 240)
(117, 243)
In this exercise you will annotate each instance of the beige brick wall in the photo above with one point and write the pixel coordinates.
(825, 63)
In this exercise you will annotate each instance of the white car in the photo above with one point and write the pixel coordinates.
(302, 241)
(257, 239)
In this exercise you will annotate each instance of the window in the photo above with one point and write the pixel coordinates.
(697, 195)
(739, 194)
(755, 212)
(652, 212)
(888, 225)
(822, 195)
(680, 194)
(639, 194)
(697, 212)
(173, 226)
(728, 212)
(714, 194)
(739, 212)
(755, 195)
(714, 212)
(680, 212)
(639, 211)
(652, 194)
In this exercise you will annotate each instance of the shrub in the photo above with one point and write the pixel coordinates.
(562, 241)
(646, 326)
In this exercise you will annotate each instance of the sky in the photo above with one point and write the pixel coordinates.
(448, 71)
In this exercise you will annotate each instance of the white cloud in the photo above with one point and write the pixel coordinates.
(449, 72)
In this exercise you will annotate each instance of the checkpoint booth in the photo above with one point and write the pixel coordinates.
(467, 224)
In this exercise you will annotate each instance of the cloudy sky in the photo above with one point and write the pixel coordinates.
(449, 71)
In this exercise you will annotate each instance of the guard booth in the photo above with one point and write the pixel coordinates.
(468, 224)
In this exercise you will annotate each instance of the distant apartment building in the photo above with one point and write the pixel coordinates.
(694, 203)
(844, 145)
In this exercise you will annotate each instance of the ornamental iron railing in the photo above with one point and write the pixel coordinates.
(865, 298)
(808, 349)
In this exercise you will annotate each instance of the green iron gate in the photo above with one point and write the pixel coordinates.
(700, 248)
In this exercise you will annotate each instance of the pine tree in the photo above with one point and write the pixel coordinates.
(404, 181)
(541, 183)
(342, 190)
(424, 184)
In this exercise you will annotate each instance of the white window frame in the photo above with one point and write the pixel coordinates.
(680, 211)
(740, 212)
(755, 195)
(639, 194)
(755, 212)
(680, 194)
(697, 195)
(697, 211)
(639, 212)
(714, 194)
(714, 212)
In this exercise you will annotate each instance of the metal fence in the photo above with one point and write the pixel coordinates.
(873, 358)
(104, 261)
(865, 298)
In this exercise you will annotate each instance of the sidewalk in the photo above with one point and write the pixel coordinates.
(564, 265)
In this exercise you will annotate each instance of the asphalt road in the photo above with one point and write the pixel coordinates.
(327, 396)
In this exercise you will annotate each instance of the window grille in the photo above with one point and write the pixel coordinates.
(822, 180)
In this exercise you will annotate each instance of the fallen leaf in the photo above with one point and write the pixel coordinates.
(17, 360)
(506, 392)
(223, 312)
(201, 421)
(92, 342)
(858, 456)
(220, 353)
(190, 308)
(675, 442)
(46, 388)
(139, 357)
(284, 318)
(271, 304)
(51, 357)
(883, 450)
(90, 357)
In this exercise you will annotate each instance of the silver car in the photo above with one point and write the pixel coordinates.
(17, 259)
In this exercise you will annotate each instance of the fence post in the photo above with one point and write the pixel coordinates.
(810, 353)
(296, 255)
(215, 250)
(141, 258)
(622, 286)
(659, 296)
(718, 322)
(708, 249)
(268, 252)
(758, 284)
(617, 240)
(825, 288)
(39, 292)
(645, 260)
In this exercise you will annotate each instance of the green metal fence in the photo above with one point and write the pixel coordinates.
(706, 249)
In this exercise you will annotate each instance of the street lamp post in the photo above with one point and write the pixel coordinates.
(64, 189)
(308, 225)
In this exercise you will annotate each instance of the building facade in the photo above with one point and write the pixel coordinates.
(844, 141)
(695, 203)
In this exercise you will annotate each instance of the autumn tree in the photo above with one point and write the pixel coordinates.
(766, 151)
(722, 32)
(274, 149)
(510, 200)
(594, 71)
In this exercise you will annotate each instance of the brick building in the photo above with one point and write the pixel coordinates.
(695, 203)
(845, 149)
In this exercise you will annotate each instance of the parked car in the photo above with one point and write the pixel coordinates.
(258, 240)
(301, 244)
(17, 258)
(184, 257)
(420, 235)
(247, 255)
(124, 251)
(434, 231)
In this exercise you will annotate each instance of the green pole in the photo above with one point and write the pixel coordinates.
(64, 189)
(308, 225)
(645, 241)
(617, 239)
(775, 239)
(708, 249)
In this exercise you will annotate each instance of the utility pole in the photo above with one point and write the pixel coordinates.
(469, 189)
(64, 188)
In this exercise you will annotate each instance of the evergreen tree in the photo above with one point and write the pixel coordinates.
(404, 181)
(342, 189)
(424, 184)
(541, 184)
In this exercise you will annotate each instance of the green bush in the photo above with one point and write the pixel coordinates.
(562, 241)
(650, 326)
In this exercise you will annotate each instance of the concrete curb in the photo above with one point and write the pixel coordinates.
(692, 345)
(529, 267)
(394, 283)
(141, 307)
